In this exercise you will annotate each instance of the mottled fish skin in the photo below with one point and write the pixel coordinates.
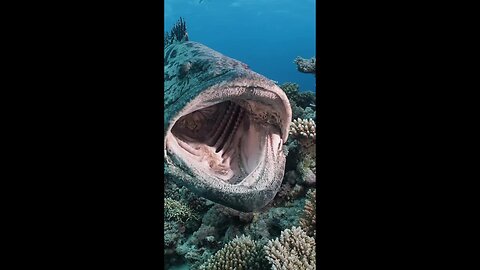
(206, 68)
(190, 69)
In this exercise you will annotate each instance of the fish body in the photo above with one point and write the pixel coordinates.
(224, 127)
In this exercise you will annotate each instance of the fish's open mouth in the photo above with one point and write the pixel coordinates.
(228, 135)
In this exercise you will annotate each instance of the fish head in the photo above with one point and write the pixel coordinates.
(225, 127)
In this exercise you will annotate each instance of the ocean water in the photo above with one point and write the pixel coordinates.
(265, 34)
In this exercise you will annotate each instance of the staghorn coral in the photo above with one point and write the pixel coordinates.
(241, 253)
(177, 211)
(293, 250)
(308, 220)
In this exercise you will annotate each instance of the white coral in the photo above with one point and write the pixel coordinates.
(303, 128)
(293, 250)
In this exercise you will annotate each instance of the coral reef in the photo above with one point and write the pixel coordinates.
(301, 102)
(293, 250)
(178, 33)
(306, 169)
(177, 211)
(308, 220)
(306, 65)
(290, 190)
(302, 99)
(173, 232)
(303, 130)
(241, 253)
(302, 152)
(271, 223)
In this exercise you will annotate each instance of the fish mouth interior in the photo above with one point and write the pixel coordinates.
(227, 140)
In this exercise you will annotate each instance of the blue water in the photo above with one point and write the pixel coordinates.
(265, 34)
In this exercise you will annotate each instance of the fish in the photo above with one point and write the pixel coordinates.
(224, 125)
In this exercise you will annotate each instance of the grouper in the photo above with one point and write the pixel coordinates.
(225, 125)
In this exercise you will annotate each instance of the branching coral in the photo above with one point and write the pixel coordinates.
(306, 65)
(241, 253)
(305, 132)
(178, 33)
(308, 220)
(293, 250)
(302, 128)
(177, 211)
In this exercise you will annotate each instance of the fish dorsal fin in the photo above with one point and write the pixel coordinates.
(177, 34)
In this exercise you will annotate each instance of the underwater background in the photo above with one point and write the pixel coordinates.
(267, 35)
